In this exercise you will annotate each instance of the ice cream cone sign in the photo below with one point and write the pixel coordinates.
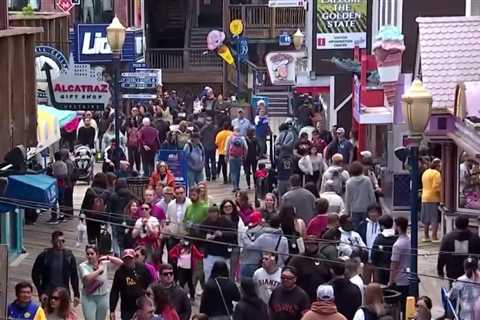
(215, 40)
(388, 49)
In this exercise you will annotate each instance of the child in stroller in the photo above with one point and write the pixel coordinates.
(83, 160)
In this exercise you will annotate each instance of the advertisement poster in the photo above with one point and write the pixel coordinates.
(341, 24)
(177, 163)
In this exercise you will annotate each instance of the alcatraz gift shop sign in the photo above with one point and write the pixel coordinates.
(341, 24)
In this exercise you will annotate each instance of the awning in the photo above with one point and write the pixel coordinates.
(36, 190)
(49, 122)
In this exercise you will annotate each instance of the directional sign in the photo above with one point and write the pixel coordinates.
(287, 3)
(138, 80)
(242, 48)
(65, 5)
(139, 96)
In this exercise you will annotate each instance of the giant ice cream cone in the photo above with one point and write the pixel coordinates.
(388, 49)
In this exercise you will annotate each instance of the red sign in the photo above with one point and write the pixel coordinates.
(65, 5)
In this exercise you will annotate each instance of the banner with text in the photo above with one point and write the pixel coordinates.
(341, 24)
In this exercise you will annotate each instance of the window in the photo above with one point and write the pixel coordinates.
(18, 5)
(474, 8)
(468, 183)
(96, 11)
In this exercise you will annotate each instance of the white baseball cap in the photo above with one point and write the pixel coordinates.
(325, 293)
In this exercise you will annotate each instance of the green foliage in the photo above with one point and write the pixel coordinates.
(27, 10)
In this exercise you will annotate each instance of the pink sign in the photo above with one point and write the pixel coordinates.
(65, 5)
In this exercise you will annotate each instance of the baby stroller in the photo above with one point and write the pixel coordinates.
(84, 160)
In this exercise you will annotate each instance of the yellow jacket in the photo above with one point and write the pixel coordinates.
(432, 184)
(221, 141)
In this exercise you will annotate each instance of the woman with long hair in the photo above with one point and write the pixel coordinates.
(373, 305)
(269, 207)
(58, 307)
(250, 306)
(219, 293)
(163, 305)
(94, 276)
(230, 211)
(467, 289)
(244, 206)
(147, 230)
(293, 229)
(131, 213)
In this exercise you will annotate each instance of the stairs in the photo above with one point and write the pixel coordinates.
(198, 37)
(176, 15)
(278, 100)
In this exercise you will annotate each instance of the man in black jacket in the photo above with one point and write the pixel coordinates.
(177, 296)
(382, 249)
(348, 297)
(455, 248)
(369, 229)
(129, 283)
(56, 267)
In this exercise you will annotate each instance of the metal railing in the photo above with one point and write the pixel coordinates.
(264, 17)
(179, 59)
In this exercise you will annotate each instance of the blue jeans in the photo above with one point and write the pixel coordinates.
(95, 307)
(235, 166)
(195, 177)
(210, 164)
(357, 218)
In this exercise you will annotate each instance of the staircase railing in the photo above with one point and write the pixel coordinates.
(258, 74)
(188, 29)
(182, 59)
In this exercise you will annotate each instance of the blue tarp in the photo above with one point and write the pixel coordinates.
(39, 189)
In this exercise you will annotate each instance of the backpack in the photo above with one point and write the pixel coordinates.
(195, 157)
(339, 181)
(236, 149)
(104, 241)
(132, 137)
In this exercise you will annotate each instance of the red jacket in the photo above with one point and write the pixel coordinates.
(174, 253)
(155, 177)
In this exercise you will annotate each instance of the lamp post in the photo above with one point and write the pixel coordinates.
(116, 39)
(417, 108)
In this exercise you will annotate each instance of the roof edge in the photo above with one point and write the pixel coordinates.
(447, 19)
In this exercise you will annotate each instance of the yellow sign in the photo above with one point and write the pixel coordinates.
(236, 27)
(225, 54)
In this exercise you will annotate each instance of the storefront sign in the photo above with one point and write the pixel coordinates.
(281, 66)
(58, 64)
(341, 24)
(138, 80)
(90, 45)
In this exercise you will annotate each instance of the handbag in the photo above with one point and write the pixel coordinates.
(92, 286)
(223, 300)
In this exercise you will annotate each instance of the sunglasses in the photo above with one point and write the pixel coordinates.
(167, 274)
(287, 278)
(56, 298)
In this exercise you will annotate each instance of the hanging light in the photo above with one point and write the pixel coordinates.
(417, 107)
(116, 35)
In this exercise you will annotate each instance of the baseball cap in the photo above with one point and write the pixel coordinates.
(340, 130)
(255, 218)
(325, 293)
(337, 157)
(128, 253)
(261, 101)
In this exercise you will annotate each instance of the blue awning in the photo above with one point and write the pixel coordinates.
(39, 189)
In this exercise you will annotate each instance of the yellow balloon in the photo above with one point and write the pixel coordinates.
(236, 27)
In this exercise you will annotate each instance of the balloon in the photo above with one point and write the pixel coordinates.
(215, 39)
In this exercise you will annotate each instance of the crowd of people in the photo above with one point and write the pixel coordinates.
(316, 244)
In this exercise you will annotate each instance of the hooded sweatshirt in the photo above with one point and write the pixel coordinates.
(247, 241)
(359, 195)
(272, 240)
(455, 248)
(323, 310)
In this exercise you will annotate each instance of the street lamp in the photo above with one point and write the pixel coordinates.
(298, 38)
(417, 108)
(116, 38)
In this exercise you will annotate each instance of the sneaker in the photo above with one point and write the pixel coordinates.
(214, 178)
(53, 221)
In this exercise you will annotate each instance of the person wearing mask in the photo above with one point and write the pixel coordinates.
(129, 283)
(272, 240)
(351, 243)
(381, 251)
(176, 295)
(56, 267)
(23, 308)
(262, 128)
(431, 197)
(218, 229)
(149, 145)
(348, 296)
(369, 229)
(242, 123)
(195, 155)
(221, 143)
(455, 248)
(300, 199)
(267, 277)
(467, 289)
(324, 307)
(196, 212)
(94, 277)
(58, 306)
(219, 293)
(400, 260)
(207, 138)
(373, 306)
(175, 215)
(335, 202)
(359, 195)
(311, 274)
(236, 150)
(288, 301)
(337, 174)
(318, 225)
(162, 174)
(250, 306)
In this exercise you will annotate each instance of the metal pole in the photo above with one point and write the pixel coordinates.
(238, 68)
(116, 105)
(414, 178)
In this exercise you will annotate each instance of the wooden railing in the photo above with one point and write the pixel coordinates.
(262, 20)
(181, 59)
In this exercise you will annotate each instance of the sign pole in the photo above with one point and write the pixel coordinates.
(116, 67)
(238, 67)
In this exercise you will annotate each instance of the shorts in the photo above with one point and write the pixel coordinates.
(430, 213)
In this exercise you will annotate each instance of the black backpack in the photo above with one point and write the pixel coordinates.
(104, 244)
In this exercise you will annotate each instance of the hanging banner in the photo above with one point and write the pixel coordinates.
(341, 24)
(177, 163)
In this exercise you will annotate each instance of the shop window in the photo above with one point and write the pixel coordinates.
(18, 5)
(96, 11)
(468, 183)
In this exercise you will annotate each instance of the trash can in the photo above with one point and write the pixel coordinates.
(137, 185)
(393, 303)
